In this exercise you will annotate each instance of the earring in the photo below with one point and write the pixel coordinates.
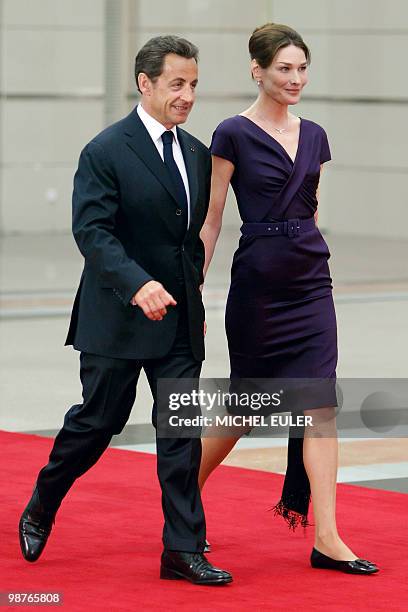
(258, 83)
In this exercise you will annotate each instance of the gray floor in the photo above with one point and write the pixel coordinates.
(38, 277)
(393, 484)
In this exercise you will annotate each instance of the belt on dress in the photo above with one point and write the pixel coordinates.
(287, 227)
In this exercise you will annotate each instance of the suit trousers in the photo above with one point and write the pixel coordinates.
(109, 390)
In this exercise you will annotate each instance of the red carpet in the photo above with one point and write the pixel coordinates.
(105, 548)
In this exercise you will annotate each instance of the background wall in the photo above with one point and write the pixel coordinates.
(52, 93)
(67, 70)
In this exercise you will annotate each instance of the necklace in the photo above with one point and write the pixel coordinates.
(267, 121)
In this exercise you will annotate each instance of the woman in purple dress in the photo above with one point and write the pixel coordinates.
(280, 318)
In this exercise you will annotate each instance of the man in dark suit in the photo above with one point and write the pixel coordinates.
(140, 197)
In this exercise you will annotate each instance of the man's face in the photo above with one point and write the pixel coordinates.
(170, 98)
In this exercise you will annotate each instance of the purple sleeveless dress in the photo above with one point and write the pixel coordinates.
(280, 317)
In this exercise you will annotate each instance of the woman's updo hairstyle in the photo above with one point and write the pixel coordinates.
(268, 39)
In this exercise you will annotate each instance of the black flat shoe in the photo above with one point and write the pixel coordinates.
(358, 566)
(34, 528)
(207, 547)
(193, 567)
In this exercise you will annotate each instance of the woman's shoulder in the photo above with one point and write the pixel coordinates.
(224, 142)
(228, 126)
(313, 126)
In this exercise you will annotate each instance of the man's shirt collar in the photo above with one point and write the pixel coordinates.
(154, 127)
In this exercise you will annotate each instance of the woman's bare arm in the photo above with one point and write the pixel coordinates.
(222, 171)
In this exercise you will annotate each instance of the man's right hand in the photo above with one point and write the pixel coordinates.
(152, 298)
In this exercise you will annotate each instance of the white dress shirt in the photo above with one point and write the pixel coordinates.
(156, 129)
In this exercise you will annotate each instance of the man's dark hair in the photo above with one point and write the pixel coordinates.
(150, 58)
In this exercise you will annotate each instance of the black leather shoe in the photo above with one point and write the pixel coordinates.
(34, 528)
(193, 567)
(207, 547)
(358, 566)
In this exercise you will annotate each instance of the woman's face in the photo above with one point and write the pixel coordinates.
(286, 76)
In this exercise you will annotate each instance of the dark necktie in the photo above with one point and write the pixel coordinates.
(167, 138)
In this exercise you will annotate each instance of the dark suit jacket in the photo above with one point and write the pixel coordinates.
(128, 227)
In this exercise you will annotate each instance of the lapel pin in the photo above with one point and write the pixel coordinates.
(192, 149)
